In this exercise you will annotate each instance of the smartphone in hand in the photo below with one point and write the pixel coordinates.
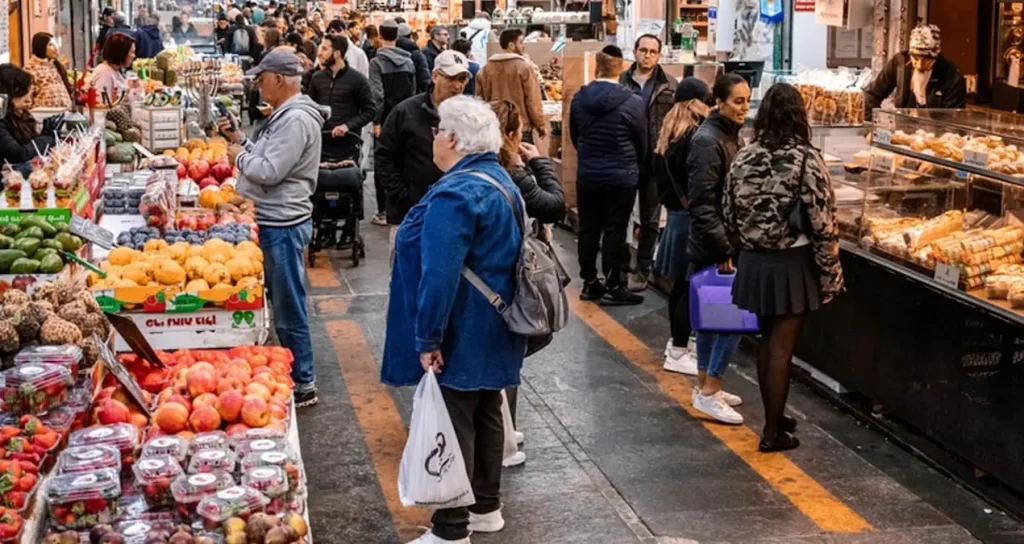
(223, 110)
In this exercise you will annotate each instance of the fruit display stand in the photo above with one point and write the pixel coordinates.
(205, 329)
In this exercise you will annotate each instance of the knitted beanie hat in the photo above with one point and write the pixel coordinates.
(925, 41)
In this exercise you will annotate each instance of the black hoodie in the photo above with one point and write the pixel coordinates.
(422, 71)
(608, 127)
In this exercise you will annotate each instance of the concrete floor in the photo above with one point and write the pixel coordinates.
(615, 453)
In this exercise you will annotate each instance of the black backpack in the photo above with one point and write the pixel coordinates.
(397, 87)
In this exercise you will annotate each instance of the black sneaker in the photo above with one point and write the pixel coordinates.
(620, 296)
(592, 290)
(306, 398)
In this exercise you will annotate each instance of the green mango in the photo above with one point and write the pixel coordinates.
(35, 221)
(8, 256)
(69, 242)
(28, 245)
(30, 232)
(24, 266)
(43, 252)
(12, 229)
(53, 244)
(6, 242)
(51, 264)
(61, 226)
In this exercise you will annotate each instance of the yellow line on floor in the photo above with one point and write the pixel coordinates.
(378, 418)
(824, 509)
(322, 273)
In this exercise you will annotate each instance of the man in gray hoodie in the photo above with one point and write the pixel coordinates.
(278, 171)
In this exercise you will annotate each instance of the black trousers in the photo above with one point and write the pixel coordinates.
(378, 188)
(650, 219)
(476, 416)
(604, 213)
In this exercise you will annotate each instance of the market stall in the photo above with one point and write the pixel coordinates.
(931, 324)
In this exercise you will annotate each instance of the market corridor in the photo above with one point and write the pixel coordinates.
(615, 453)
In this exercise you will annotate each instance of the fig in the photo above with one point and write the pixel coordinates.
(236, 538)
(155, 539)
(282, 534)
(98, 532)
(202, 539)
(112, 538)
(180, 538)
(259, 525)
(298, 523)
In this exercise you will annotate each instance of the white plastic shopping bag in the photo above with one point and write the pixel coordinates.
(510, 429)
(432, 472)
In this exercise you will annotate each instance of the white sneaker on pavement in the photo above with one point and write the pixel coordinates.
(519, 437)
(514, 460)
(715, 407)
(680, 360)
(668, 346)
(486, 523)
(691, 344)
(431, 538)
(729, 398)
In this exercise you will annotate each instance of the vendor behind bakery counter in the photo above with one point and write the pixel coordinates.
(920, 77)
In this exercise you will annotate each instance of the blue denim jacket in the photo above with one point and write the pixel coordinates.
(461, 219)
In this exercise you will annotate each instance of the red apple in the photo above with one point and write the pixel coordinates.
(182, 171)
(199, 169)
(208, 181)
(221, 171)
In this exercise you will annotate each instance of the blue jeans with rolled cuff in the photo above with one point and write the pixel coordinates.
(714, 351)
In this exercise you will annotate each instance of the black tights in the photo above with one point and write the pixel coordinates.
(774, 360)
(679, 312)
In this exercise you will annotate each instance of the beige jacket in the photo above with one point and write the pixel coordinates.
(508, 76)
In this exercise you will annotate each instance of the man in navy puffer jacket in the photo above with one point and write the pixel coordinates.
(608, 127)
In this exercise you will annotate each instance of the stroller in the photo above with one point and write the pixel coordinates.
(337, 211)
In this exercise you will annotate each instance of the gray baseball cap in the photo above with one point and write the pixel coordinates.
(404, 30)
(282, 61)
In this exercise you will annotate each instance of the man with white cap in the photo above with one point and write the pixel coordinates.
(921, 77)
(404, 158)
(278, 171)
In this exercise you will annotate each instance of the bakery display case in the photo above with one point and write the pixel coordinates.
(943, 197)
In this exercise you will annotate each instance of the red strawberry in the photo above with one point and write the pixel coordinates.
(28, 466)
(16, 499)
(27, 482)
(95, 505)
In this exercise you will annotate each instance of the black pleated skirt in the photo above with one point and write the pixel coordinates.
(773, 283)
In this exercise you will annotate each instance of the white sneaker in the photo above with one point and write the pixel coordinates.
(729, 398)
(431, 538)
(514, 460)
(715, 407)
(668, 346)
(691, 344)
(519, 437)
(681, 361)
(486, 523)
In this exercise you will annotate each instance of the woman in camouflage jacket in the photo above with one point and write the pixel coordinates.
(779, 211)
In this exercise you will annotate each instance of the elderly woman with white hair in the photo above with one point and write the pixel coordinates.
(439, 322)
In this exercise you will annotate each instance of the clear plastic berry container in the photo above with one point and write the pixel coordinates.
(80, 501)
(69, 356)
(286, 460)
(172, 445)
(60, 419)
(79, 459)
(257, 434)
(35, 388)
(238, 501)
(269, 480)
(189, 489)
(262, 445)
(211, 460)
(123, 436)
(134, 531)
(153, 477)
(214, 440)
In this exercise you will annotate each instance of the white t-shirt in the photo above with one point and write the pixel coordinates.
(109, 79)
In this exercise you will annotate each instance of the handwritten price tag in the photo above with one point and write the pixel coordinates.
(947, 275)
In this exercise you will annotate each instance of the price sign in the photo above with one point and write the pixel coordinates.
(121, 373)
(882, 136)
(92, 232)
(978, 159)
(947, 275)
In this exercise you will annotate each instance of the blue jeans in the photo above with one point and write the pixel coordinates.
(284, 274)
(714, 351)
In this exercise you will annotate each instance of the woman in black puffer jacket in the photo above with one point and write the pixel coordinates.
(545, 201)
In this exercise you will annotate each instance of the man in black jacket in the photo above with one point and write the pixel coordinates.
(607, 125)
(347, 93)
(423, 74)
(647, 79)
(438, 42)
(920, 77)
(404, 158)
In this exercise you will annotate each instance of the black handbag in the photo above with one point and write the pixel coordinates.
(799, 221)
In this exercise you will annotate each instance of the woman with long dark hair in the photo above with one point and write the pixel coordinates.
(708, 159)
(50, 85)
(678, 128)
(19, 140)
(780, 212)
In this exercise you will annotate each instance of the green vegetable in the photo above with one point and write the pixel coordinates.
(5, 241)
(30, 232)
(24, 266)
(35, 221)
(8, 256)
(28, 245)
(43, 252)
(61, 226)
(53, 244)
(12, 229)
(69, 242)
(51, 264)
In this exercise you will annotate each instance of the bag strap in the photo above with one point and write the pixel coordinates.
(474, 280)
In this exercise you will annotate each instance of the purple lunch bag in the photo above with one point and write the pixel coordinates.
(711, 307)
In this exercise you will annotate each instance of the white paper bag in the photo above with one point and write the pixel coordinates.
(510, 429)
(432, 472)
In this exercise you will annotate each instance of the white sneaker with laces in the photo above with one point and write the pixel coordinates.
(431, 538)
(715, 407)
(519, 437)
(514, 460)
(681, 361)
(486, 523)
(729, 398)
